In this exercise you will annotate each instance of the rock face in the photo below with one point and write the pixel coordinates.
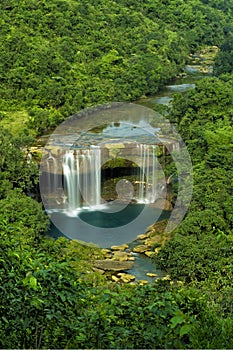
(113, 265)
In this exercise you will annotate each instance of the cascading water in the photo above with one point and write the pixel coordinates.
(82, 178)
(52, 180)
(147, 174)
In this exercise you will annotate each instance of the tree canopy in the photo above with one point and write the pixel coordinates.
(58, 57)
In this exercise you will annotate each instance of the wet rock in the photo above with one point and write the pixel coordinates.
(113, 265)
(149, 253)
(126, 277)
(120, 256)
(107, 253)
(143, 236)
(150, 274)
(142, 282)
(131, 258)
(140, 248)
(115, 279)
(119, 247)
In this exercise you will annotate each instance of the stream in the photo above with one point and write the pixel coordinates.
(178, 85)
(143, 264)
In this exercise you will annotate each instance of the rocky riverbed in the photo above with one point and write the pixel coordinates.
(119, 260)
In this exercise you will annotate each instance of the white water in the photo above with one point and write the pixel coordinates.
(147, 175)
(82, 178)
(52, 166)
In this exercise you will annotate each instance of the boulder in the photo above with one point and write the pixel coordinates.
(115, 279)
(166, 278)
(126, 277)
(120, 256)
(143, 236)
(120, 247)
(149, 253)
(150, 274)
(142, 282)
(140, 248)
(131, 258)
(113, 265)
(158, 227)
(107, 253)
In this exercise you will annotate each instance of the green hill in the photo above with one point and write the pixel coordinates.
(60, 56)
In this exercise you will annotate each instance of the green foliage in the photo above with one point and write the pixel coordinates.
(201, 251)
(24, 212)
(63, 56)
(223, 63)
(17, 170)
(58, 57)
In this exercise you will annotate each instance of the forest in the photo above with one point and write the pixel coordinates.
(59, 57)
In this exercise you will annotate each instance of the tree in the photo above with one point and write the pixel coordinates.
(17, 170)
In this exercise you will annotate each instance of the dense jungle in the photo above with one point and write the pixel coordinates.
(57, 58)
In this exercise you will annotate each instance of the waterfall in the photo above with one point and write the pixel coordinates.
(147, 174)
(82, 177)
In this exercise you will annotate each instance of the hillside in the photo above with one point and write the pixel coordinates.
(60, 56)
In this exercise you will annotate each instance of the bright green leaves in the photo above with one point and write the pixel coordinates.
(185, 329)
(30, 281)
(181, 322)
(178, 319)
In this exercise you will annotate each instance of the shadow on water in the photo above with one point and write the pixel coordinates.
(105, 219)
(142, 264)
(105, 228)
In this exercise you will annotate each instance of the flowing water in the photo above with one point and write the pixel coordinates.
(84, 215)
(82, 178)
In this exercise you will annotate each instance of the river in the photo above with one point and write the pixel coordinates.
(143, 264)
(162, 99)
